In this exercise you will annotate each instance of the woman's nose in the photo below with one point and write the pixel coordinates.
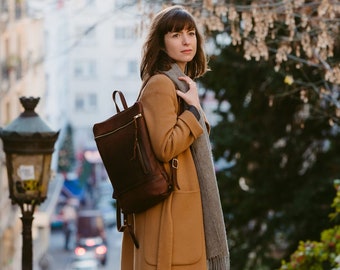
(186, 39)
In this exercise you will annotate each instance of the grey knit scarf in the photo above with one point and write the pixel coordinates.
(214, 228)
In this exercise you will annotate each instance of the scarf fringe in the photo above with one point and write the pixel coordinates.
(218, 263)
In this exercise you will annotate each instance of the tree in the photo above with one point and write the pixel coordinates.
(66, 155)
(281, 164)
(323, 254)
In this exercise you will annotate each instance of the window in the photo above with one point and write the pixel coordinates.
(124, 3)
(3, 6)
(91, 3)
(125, 68)
(85, 102)
(85, 69)
(92, 101)
(132, 67)
(124, 34)
(79, 103)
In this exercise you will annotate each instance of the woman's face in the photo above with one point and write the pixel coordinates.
(181, 46)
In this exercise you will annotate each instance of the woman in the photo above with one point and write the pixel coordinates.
(185, 231)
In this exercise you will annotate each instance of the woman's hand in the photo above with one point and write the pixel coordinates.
(191, 96)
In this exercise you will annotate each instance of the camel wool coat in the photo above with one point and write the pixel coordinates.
(170, 234)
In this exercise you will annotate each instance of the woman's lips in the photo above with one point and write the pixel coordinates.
(186, 51)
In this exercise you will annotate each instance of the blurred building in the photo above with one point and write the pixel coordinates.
(104, 55)
(21, 74)
(72, 54)
(92, 47)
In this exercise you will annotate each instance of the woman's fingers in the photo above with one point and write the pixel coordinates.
(187, 79)
(191, 96)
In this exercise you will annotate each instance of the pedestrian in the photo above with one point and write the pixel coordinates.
(69, 215)
(186, 230)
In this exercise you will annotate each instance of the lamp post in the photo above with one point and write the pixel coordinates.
(28, 144)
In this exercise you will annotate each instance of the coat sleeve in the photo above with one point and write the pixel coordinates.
(170, 133)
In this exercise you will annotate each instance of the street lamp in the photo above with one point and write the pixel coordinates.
(28, 143)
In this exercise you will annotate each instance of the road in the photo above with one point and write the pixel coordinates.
(58, 258)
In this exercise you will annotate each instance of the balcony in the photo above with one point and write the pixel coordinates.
(11, 70)
(4, 71)
(4, 77)
(4, 14)
(19, 9)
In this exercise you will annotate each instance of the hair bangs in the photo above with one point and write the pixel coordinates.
(178, 21)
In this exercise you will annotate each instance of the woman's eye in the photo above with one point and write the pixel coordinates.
(192, 33)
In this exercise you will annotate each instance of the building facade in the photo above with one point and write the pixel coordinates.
(21, 74)
(105, 56)
(22, 58)
(72, 54)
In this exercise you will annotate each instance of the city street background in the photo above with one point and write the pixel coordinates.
(59, 258)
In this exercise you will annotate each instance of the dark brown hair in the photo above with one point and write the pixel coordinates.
(155, 59)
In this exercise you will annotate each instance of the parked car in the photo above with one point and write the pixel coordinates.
(91, 237)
